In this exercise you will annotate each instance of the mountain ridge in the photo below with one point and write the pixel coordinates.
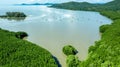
(89, 6)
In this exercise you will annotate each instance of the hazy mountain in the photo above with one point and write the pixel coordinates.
(37, 4)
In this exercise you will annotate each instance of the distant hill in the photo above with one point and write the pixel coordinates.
(37, 4)
(113, 5)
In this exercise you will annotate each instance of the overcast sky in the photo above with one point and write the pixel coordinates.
(48, 1)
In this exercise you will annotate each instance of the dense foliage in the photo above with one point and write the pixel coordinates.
(72, 61)
(105, 52)
(103, 28)
(21, 35)
(14, 16)
(114, 5)
(114, 15)
(69, 50)
(15, 52)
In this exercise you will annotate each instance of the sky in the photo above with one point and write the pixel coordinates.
(48, 1)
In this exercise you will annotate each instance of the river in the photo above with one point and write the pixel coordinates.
(53, 28)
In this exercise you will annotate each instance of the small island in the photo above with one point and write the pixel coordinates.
(72, 60)
(69, 50)
(14, 16)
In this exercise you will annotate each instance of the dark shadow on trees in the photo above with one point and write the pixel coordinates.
(57, 61)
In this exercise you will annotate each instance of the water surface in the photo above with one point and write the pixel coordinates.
(53, 28)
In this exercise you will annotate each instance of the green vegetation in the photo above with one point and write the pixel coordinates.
(103, 28)
(14, 16)
(21, 35)
(114, 6)
(72, 61)
(105, 52)
(16, 52)
(69, 50)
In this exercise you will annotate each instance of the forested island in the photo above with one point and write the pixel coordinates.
(105, 52)
(14, 16)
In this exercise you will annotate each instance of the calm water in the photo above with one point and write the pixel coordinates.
(54, 28)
